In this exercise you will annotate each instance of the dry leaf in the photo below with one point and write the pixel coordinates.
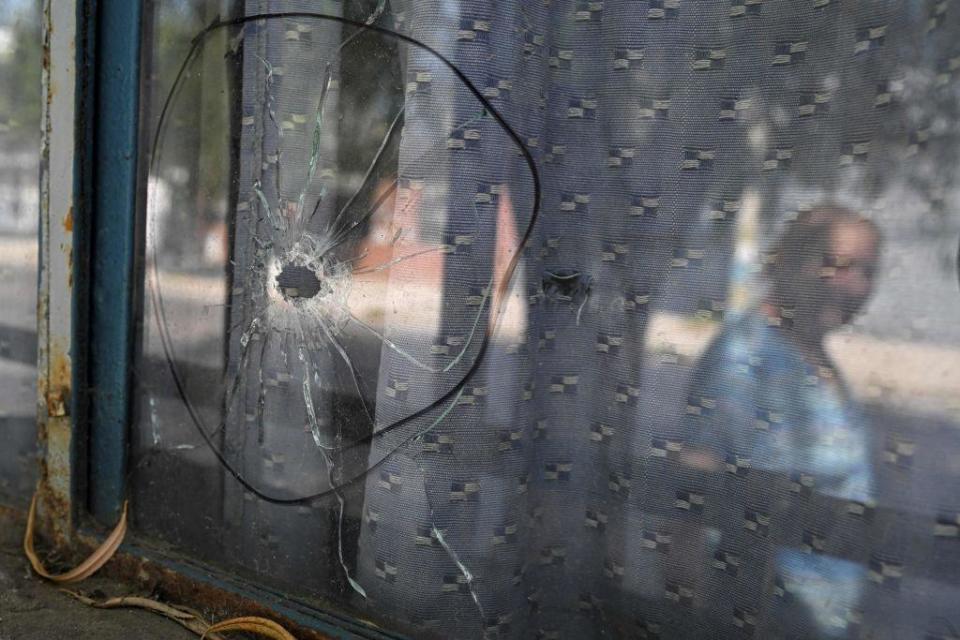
(183, 616)
(189, 618)
(86, 568)
(252, 624)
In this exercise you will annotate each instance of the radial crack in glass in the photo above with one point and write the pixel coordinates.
(354, 269)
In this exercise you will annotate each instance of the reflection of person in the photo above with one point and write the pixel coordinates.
(775, 438)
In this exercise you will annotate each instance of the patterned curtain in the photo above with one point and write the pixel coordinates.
(645, 449)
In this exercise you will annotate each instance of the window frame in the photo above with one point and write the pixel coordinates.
(92, 186)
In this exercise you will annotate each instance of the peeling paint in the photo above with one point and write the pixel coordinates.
(55, 292)
(58, 382)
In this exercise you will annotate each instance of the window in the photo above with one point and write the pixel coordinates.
(572, 319)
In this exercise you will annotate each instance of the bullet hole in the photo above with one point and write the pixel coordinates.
(566, 285)
(297, 281)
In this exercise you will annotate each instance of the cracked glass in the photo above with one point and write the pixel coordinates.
(607, 319)
(295, 278)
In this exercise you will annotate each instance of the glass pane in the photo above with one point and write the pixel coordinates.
(187, 226)
(310, 309)
(710, 390)
(20, 49)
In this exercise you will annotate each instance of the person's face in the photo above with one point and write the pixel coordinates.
(847, 273)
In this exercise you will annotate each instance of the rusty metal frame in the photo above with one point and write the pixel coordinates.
(56, 294)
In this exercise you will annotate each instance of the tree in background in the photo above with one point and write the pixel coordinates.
(20, 57)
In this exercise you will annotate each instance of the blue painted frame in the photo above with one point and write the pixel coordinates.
(113, 66)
